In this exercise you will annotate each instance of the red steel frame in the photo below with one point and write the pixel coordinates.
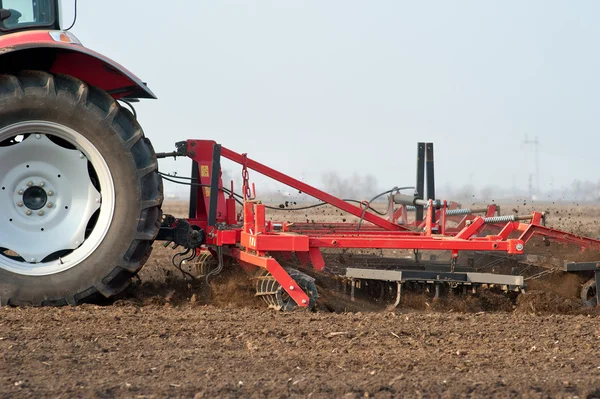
(253, 242)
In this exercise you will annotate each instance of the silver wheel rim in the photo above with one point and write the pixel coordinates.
(49, 167)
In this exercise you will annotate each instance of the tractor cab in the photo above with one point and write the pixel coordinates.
(21, 15)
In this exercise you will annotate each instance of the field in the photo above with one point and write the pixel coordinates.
(165, 338)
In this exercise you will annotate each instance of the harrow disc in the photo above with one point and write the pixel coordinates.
(276, 297)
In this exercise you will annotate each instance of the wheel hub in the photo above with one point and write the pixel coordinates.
(35, 195)
(50, 198)
(35, 198)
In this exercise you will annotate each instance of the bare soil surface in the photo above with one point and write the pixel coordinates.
(208, 351)
(169, 338)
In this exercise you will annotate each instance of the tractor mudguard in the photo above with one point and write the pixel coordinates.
(61, 53)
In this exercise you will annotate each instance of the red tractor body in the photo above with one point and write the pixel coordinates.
(59, 52)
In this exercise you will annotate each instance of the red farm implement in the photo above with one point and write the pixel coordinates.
(254, 242)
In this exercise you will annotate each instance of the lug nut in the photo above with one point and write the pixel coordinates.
(50, 205)
(20, 192)
(304, 301)
(81, 156)
(50, 193)
(40, 212)
(32, 260)
(28, 212)
(19, 203)
(29, 183)
(42, 184)
(38, 136)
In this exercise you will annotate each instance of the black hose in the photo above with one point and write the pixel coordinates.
(171, 179)
(182, 258)
(362, 217)
(130, 105)
(369, 207)
(323, 204)
(219, 268)
(74, 18)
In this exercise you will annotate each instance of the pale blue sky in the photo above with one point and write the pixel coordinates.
(351, 86)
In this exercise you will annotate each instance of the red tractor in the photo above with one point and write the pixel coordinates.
(80, 196)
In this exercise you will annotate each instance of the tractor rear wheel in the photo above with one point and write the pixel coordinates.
(80, 193)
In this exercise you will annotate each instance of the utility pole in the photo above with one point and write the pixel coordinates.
(535, 145)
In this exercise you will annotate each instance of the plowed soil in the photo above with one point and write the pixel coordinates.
(207, 351)
(166, 338)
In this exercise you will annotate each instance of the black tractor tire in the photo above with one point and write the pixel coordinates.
(588, 293)
(138, 189)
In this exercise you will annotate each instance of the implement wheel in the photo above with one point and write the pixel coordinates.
(588, 293)
(80, 193)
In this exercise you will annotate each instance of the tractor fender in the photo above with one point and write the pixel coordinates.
(61, 53)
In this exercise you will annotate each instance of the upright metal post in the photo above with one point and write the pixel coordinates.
(430, 177)
(420, 186)
(214, 185)
(194, 191)
(597, 276)
(430, 172)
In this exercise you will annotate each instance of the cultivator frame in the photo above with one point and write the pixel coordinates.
(253, 241)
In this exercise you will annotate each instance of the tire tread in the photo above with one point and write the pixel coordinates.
(131, 134)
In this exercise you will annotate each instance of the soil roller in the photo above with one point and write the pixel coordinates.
(273, 294)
